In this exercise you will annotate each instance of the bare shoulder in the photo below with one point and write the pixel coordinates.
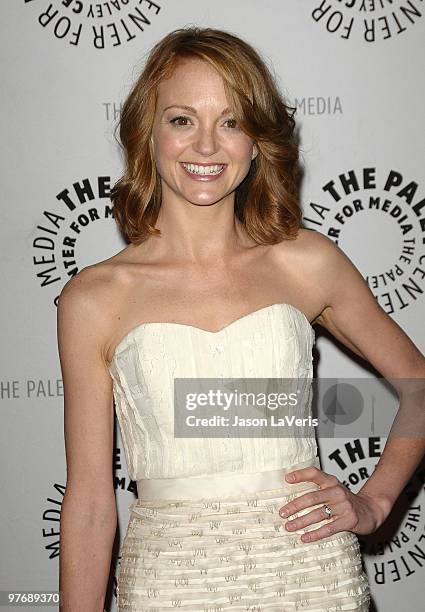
(349, 309)
(303, 262)
(85, 290)
(318, 264)
(309, 247)
(328, 277)
(97, 284)
(88, 302)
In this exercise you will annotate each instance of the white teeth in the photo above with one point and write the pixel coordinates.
(195, 169)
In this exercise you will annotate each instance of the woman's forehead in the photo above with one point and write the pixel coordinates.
(194, 72)
(194, 86)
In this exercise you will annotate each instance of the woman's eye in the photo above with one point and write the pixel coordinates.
(235, 123)
(181, 120)
(176, 120)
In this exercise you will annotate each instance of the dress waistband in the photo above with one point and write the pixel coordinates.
(221, 485)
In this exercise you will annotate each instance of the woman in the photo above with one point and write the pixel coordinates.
(219, 280)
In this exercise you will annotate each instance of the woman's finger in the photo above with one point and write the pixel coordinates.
(315, 516)
(312, 474)
(343, 523)
(312, 498)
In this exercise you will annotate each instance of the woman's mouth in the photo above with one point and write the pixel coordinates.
(203, 172)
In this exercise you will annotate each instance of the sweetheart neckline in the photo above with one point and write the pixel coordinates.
(141, 326)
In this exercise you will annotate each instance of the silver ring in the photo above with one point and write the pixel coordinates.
(328, 511)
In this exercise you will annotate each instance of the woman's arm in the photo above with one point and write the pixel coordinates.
(89, 515)
(353, 315)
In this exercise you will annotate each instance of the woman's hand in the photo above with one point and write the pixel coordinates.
(357, 512)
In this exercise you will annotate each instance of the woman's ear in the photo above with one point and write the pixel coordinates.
(254, 152)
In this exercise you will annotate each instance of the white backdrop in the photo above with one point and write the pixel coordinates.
(355, 71)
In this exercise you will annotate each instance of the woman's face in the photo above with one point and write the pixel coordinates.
(200, 152)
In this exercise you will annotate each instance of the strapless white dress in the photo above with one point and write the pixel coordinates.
(205, 533)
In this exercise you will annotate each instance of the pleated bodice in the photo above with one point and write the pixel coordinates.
(275, 341)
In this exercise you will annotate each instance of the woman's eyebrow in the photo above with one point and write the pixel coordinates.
(190, 109)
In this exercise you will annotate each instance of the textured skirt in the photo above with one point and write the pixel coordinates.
(209, 554)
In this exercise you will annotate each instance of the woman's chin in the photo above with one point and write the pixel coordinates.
(204, 199)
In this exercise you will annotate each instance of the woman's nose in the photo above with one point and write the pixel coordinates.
(205, 141)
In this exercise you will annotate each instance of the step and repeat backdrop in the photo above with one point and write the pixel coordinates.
(354, 70)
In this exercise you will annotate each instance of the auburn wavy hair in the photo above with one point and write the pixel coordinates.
(266, 202)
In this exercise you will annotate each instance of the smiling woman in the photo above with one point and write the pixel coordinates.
(236, 95)
(180, 149)
(219, 282)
